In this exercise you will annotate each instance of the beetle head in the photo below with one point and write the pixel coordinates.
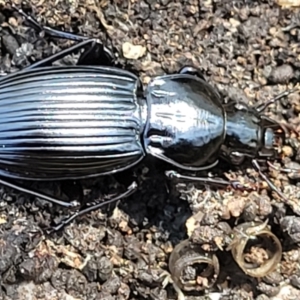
(248, 134)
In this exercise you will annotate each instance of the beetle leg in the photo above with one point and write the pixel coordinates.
(96, 53)
(40, 195)
(130, 190)
(170, 161)
(262, 106)
(66, 52)
(210, 181)
(48, 30)
(190, 70)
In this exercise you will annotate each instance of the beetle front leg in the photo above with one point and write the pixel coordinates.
(95, 53)
(210, 181)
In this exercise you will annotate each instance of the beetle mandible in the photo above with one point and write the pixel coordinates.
(82, 121)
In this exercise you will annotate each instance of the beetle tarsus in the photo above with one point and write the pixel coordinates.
(238, 186)
(33, 22)
(130, 190)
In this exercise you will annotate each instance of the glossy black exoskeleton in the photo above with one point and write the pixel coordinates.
(83, 121)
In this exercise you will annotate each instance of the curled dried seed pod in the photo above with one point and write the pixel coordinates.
(255, 249)
(192, 268)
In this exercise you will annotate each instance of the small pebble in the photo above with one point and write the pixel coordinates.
(282, 74)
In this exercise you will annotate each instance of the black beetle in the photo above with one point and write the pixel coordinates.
(82, 121)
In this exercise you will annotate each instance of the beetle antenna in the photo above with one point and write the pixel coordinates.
(265, 178)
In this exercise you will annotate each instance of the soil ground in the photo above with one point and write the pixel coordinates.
(248, 51)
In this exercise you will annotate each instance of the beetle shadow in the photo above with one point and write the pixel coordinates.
(157, 202)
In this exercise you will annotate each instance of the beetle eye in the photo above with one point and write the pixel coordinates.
(269, 138)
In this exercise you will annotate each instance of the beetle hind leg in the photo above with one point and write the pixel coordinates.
(103, 61)
(95, 52)
(48, 30)
(45, 197)
(130, 190)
